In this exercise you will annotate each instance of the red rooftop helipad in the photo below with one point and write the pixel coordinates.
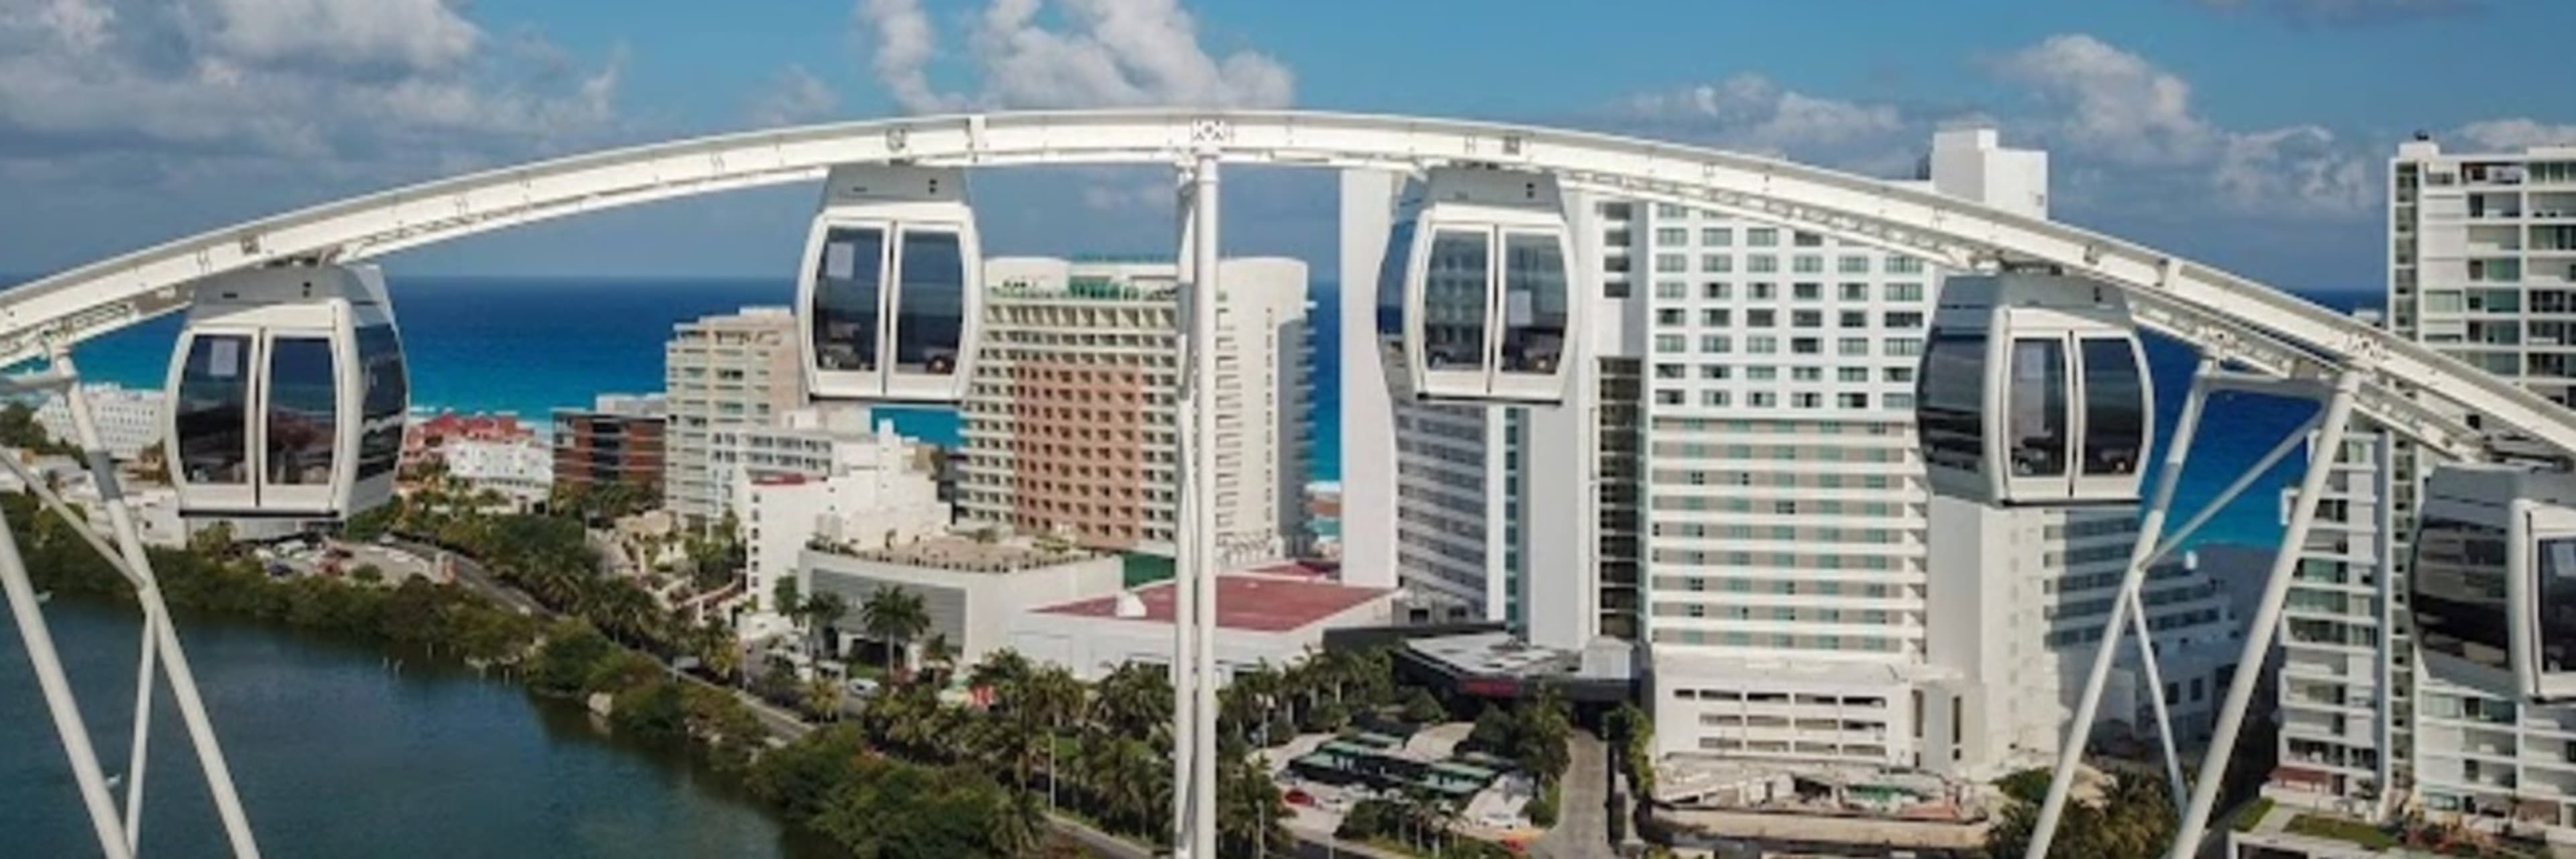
(1254, 603)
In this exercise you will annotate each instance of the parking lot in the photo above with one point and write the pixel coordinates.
(308, 557)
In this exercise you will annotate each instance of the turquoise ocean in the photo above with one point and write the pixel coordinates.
(529, 345)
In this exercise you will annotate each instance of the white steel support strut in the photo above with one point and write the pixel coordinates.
(2266, 626)
(162, 635)
(59, 701)
(1206, 287)
(2071, 753)
(1195, 610)
(1185, 594)
(2156, 697)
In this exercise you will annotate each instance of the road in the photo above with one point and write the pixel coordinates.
(1583, 814)
(475, 577)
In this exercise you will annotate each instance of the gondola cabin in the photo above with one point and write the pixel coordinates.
(1477, 289)
(287, 395)
(889, 293)
(2493, 583)
(2033, 391)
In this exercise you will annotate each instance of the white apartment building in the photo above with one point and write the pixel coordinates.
(1784, 498)
(2482, 266)
(521, 470)
(2018, 598)
(740, 369)
(883, 500)
(2344, 692)
(808, 442)
(129, 419)
(1071, 424)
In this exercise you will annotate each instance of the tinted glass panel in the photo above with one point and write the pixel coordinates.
(303, 411)
(387, 400)
(2036, 404)
(2115, 407)
(1454, 298)
(2459, 591)
(2556, 561)
(1534, 303)
(930, 312)
(1391, 271)
(213, 410)
(1949, 406)
(845, 308)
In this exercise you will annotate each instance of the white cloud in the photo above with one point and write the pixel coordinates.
(421, 35)
(1752, 111)
(2097, 101)
(2348, 11)
(797, 96)
(1097, 53)
(2515, 134)
(333, 80)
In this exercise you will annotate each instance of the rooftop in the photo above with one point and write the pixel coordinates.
(1244, 601)
(1497, 653)
(968, 555)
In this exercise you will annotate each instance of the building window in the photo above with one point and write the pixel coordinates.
(1762, 237)
(1717, 291)
(1716, 237)
(1716, 263)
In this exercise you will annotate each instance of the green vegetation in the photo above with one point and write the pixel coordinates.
(19, 429)
(1542, 808)
(2251, 813)
(2030, 785)
(2134, 819)
(435, 618)
(2340, 829)
(1635, 733)
(1531, 734)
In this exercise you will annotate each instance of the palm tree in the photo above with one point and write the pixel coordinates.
(1135, 700)
(821, 611)
(938, 658)
(784, 599)
(1249, 810)
(1002, 671)
(895, 617)
(1018, 829)
(1130, 779)
(1052, 698)
(822, 697)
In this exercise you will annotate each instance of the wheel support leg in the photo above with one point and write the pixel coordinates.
(2266, 626)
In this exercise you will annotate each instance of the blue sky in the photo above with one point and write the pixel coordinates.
(2249, 133)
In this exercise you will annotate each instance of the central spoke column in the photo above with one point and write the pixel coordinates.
(1194, 583)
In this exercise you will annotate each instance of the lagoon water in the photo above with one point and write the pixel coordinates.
(339, 754)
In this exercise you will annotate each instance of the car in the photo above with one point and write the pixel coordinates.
(1299, 796)
(862, 687)
(384, 539)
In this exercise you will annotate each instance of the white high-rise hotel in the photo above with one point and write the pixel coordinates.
(2481, 265)
(1734, 485)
